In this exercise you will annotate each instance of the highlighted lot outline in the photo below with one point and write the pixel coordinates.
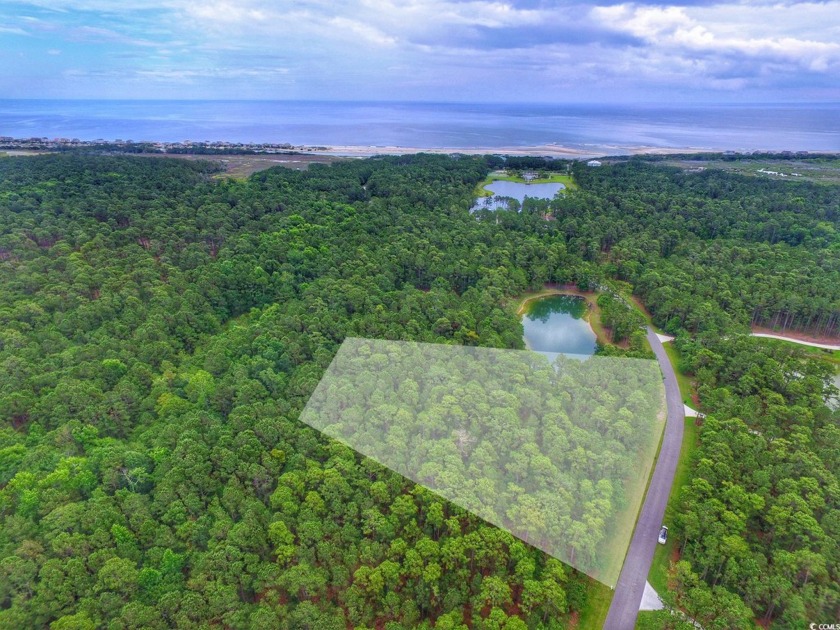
(554, 449)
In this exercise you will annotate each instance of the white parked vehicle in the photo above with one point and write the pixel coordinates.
(663, 535)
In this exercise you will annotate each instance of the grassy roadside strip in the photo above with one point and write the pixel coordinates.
(683, 380)
(658, 576)
(554, 178)
(632, 299)
(594, 613)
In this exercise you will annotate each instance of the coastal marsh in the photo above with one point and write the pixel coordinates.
(823, 170)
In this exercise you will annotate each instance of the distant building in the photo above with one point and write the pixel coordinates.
(593, 163)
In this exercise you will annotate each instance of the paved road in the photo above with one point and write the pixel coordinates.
(631, 582)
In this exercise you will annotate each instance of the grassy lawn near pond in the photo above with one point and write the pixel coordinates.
(552, 178)
(664, 554)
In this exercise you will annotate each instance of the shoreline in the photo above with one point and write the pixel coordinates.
(541, 150)
(216, 148)
(31, 146)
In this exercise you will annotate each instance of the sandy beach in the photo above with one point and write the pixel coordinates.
(300, 157)
(544, 150)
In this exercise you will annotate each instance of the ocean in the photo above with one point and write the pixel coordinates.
(591, 128)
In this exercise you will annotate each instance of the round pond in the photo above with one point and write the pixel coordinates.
(556, 324)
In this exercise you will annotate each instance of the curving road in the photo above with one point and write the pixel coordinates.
(631, 582)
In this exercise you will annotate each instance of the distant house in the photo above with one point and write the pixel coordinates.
(529, 175)
(593, 163)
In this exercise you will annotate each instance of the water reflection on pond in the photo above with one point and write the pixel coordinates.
(834, 403)
(555, 324)
(516, 190)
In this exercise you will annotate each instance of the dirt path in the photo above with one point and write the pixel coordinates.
(804, 342)
(793, 335)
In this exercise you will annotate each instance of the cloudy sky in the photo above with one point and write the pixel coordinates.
(437, 50)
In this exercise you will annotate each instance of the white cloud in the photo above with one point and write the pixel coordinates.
(224, 12)
(644, 22)
(12, 30)
(528, 49)
(218, 73)
(440, 13)
(94, 33)
(365, 31)
(735, 32)
(182, 74)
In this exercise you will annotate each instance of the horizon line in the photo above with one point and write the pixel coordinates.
(678, 104)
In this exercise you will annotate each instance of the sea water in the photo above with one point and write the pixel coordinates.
(596, 128)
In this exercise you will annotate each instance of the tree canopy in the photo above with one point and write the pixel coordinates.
(161, 331)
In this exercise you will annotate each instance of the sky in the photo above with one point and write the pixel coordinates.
(429, 50)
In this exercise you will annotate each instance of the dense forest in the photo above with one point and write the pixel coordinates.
(161, 331)
(711, 250)
(554, 452)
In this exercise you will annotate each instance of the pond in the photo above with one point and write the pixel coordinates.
(556, 324)
(516, 190)
(834, 403)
